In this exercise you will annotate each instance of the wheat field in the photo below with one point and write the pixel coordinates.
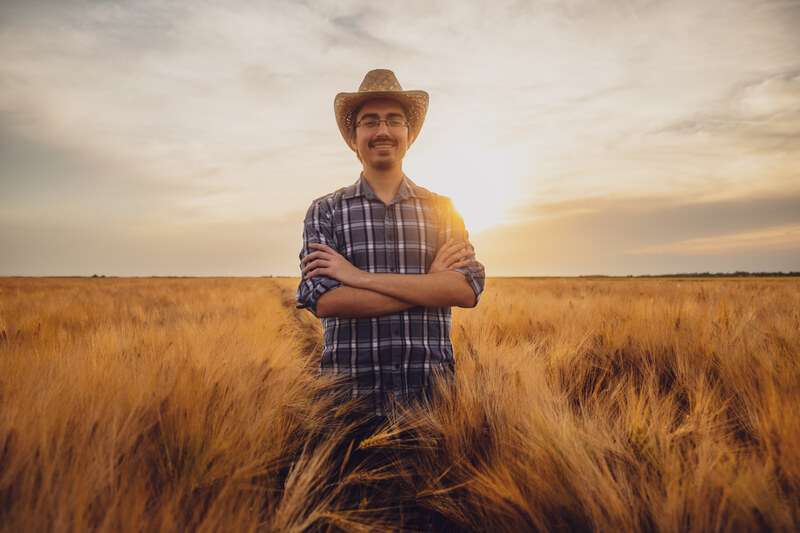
(579, 405)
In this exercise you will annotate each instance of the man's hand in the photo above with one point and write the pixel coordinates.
(328, 262)
(450, 256)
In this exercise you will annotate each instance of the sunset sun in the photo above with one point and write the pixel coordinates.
(481, 179)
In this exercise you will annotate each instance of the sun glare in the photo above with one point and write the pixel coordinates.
(481, 180)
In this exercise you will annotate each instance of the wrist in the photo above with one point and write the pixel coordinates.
(364, 280)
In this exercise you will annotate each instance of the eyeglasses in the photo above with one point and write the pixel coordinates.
(372, 123)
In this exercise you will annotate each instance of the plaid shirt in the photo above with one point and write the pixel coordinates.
(392, 354)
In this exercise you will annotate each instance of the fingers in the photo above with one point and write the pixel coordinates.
(458, 257)
(456, 247)
(311, 256)
(449, 248)
(314, 265)
(458, 264)
(316, 272)
(443, 251)
(451, 255)
(322, 254)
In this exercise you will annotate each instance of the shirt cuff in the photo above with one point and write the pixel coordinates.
(311, 290)
(475, 277)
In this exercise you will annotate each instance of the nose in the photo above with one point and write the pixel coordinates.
(383, 126)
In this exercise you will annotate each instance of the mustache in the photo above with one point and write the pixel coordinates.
(382, 140)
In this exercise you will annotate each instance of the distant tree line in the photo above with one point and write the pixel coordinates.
(737, 274)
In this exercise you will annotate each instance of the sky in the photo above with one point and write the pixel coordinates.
(575, 137)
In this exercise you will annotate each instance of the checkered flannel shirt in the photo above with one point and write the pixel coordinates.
(393, 354)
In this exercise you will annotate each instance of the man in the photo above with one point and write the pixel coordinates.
(384, 260)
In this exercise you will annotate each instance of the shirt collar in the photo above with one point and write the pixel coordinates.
(407, 190)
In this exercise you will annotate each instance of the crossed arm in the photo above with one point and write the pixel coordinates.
(367, 294)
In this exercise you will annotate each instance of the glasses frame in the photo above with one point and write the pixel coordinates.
(378, 123)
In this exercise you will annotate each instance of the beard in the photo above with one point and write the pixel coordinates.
(379, 164)
(383, 164)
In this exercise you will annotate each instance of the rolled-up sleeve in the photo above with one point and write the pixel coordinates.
(452, 226)
(316, 229)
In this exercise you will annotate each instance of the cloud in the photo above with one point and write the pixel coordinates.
(772, 96)
(126, 115)
(786, 237)
(764, 115)
(187, 91)
(652, 234)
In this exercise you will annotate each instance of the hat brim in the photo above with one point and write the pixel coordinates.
(345, 105)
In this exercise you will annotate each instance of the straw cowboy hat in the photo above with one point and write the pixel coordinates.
(380, 83)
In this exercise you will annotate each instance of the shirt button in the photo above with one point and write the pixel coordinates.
(397, 367)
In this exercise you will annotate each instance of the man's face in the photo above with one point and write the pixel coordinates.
(381, 148)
